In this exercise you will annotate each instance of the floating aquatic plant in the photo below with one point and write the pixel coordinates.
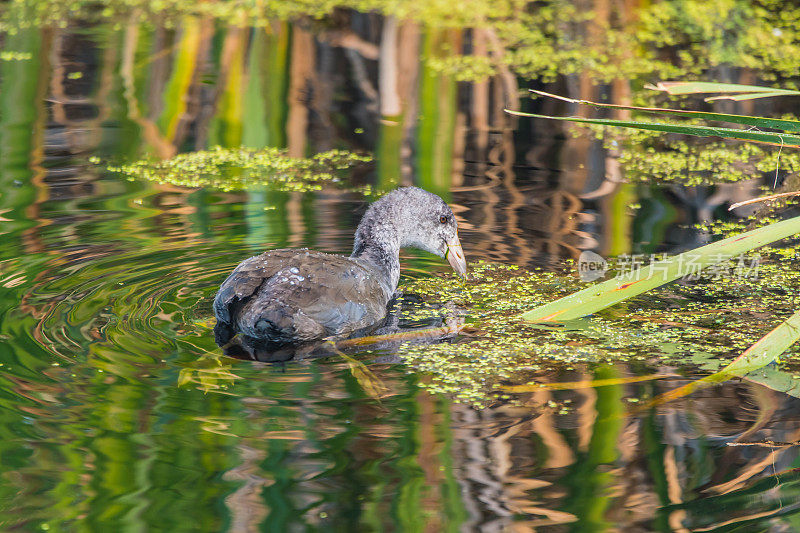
(244, 168)
(11, 55)
(650, 157)
(706, 322)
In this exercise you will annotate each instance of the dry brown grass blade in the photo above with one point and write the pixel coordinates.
(764, 199)
(585, 384)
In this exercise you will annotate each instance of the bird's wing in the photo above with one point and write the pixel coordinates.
(301, 293)
(245, 280)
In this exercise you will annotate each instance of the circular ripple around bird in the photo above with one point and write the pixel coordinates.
(124, 308)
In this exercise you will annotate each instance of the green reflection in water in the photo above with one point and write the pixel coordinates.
(589, 482)
(23, 83)
(265, 99)
(437, 116)
(112, 282)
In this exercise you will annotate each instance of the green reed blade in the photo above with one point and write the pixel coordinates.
(757, 356)
(605, 294)
(746, 96)
(702, 87)
(768, 347)
(760, 122)
(777, 139)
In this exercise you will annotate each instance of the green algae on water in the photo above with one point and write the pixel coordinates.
(659, 158)
(705, 321)
(231, 169)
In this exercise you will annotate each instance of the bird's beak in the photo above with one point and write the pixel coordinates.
(455, 256)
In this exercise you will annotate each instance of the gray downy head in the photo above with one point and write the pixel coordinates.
(408, 217)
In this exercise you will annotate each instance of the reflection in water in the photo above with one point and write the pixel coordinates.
(296, 447)
(117, 409)
(530, 196)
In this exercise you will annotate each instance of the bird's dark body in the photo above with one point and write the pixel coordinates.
(299, 295)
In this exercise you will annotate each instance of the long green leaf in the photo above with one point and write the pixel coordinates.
(777, 139)
(747, 92)
(605, 294)
(759, 355)
(767, 348)
(746, 96)
(761, 122)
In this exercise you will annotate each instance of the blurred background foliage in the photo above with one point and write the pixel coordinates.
(606, 39)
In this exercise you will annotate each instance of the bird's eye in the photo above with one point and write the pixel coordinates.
(443, 219)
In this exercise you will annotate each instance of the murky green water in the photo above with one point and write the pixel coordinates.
(120, 413)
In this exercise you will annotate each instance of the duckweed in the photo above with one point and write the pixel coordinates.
(704, 322)
(243, 168)
(11, 55)
(653, 157)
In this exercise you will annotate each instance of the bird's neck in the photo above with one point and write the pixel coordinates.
(379, 245)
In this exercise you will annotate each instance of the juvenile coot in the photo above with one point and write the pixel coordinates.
(294, 296)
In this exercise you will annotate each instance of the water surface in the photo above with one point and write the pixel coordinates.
(120, 413)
